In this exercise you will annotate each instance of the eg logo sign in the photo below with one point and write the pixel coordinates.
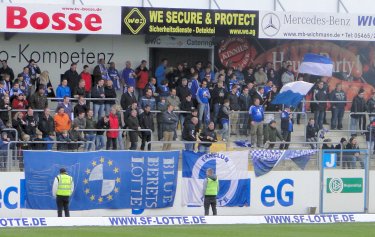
(13, 197)
(282, 194)
(329, 160)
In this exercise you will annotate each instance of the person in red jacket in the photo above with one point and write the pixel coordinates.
(86, 76)
(113, 134)
(143, 77)
(20, 102)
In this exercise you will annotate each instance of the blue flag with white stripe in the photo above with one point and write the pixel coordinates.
(316, 64)
(231, 169)
(103, 179)
(292, 93)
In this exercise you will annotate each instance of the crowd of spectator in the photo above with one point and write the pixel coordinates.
(209, 101)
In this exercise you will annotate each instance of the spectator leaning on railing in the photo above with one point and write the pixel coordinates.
(270, 134)
(207, 135)
(189, 133)
(312, 133)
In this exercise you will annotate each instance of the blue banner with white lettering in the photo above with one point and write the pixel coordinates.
(103, 179)
(231, 169)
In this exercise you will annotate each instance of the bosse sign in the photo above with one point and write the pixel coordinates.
(60, 19)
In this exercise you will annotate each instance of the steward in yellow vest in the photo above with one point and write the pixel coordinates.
(63, 187)
(211, 189)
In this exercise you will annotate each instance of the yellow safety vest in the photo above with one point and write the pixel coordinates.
(212, 187)
(64, 187)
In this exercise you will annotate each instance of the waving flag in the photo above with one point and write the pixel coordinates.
(231, 169)
(265, 160)
(316, 64)
(105, 179)
(292, 93)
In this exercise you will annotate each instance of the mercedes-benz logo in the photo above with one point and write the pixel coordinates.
(270, 24)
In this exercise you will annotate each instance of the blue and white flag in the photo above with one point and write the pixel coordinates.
(292, 93)
(316, 64)
(265, 160)
(242, 143)
(231, 169)
(103, 180)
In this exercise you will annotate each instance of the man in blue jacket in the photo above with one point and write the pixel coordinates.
(203, 96)
(63, 89)
(160, 71)
(286, 127)
(256, 113)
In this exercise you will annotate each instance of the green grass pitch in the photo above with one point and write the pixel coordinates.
(287, 230)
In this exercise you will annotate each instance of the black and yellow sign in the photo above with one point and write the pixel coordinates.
(162, 21)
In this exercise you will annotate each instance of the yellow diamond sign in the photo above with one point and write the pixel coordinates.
(135, 21)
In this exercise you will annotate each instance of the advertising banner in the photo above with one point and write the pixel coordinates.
(353, 61)
(342, 187)
(161, 21)
(103, 180)
(316, 26)
(184, 220)
(52, 18)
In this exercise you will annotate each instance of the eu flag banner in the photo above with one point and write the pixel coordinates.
(231, 169)
(265, 160)
(103, 179)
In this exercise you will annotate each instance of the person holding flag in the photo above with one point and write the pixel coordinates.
(62, 189)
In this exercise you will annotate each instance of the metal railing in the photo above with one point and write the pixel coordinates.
(304, 114)
(358, 113)
(86, 99)
(10, 152)
(184, 142)
(126, 130)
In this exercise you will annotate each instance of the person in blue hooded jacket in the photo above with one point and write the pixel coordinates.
(203, 96)
(256, 113)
